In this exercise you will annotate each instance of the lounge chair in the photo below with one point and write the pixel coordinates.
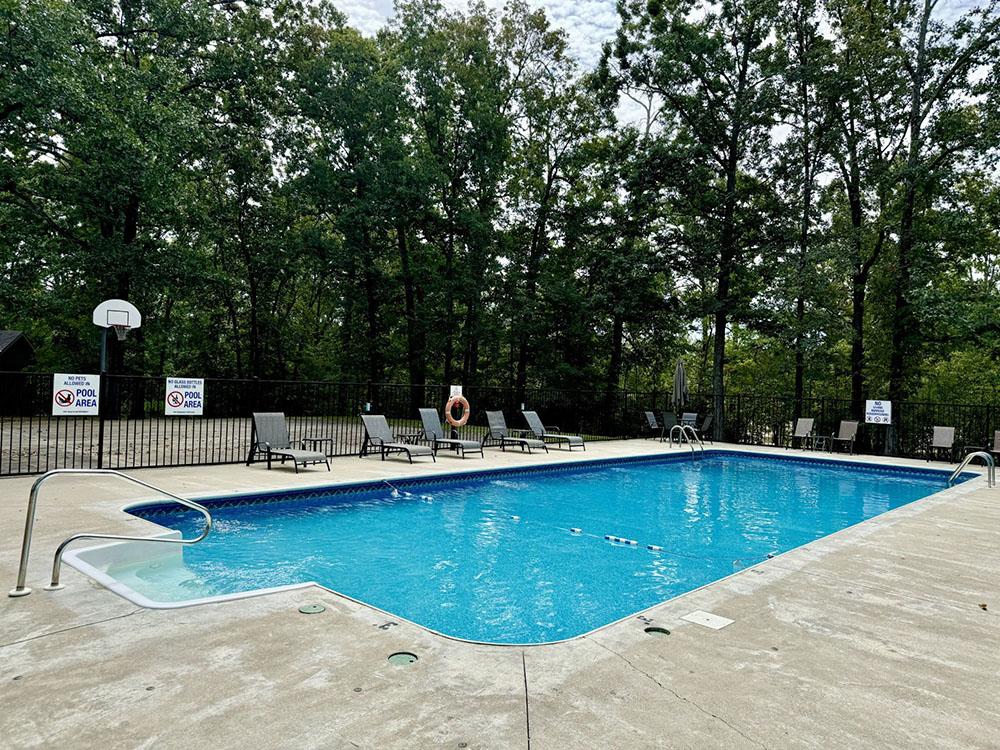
(551, 434)
(803, 432)
(942, 440)
(379, 436)
(846, 435)
(689, 417)
(498, 431)
(669, 422)
(270, 437)
(704, 431)
(655, 430)
(434, 433)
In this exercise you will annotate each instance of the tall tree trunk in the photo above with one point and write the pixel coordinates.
(807, 189)
(416, 342)
(727, 257)
(614, 373)
(903, 323)
(373, 340)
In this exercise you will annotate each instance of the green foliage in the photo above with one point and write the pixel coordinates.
(803, 199)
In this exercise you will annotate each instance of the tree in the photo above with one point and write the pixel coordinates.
(714, 73)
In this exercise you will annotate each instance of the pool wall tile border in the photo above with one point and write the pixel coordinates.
(154, 508)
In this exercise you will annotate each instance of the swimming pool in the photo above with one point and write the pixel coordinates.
(495, 556)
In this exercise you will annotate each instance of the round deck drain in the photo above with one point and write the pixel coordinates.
(312, 609)
(653, 630)
(402, 657)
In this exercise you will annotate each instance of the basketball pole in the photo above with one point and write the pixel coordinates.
(101, 394)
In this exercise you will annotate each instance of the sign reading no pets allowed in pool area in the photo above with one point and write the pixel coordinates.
(75, 395)
(184, 396)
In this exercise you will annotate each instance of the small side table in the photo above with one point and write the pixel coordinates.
(314, 442)
(410, 437)
(822, 443)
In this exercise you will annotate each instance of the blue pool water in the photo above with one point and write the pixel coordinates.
(492, 558)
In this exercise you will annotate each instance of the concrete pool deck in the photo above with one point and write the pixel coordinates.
(872, 637)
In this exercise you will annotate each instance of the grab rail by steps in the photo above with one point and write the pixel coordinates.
(22, 571)
(991, 469)
(685, 432)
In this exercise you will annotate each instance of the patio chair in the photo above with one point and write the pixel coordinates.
(270, 438)
(498, 431)
(551, 434)
(669, 422)
(846, 435)
(434, 432)
(942, 440)
(689, 417)
(803, 431)
(378, 435)
(704, 431)
(655, 430)
(995, 450)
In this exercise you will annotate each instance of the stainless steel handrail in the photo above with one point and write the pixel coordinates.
(22, 571)
(697, 438)
(991, 469)
(682, 431)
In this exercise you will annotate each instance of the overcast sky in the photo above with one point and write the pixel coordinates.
(589, 23)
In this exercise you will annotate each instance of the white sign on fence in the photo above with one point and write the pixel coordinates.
(184, 396)
(456, 390)
(878, 412)
(75, 395)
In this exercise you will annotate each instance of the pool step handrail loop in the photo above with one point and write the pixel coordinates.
(991, 469)
(22, 570)
(693, 433)
(684, 433)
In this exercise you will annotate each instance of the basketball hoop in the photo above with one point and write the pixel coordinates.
(119, 315)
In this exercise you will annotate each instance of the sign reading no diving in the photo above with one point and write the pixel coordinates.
(184, 396)
(75, 395)
(878, 412)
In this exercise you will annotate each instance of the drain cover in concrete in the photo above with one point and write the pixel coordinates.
(715, 622)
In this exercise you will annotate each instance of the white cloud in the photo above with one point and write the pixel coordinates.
(588, 23)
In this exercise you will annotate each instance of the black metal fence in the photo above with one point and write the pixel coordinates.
(132, 431)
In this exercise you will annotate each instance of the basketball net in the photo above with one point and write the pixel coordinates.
(121, 331)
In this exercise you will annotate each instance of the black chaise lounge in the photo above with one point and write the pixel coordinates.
(270, 438)
(551, 434)
(379, 436)
(498, 431)
(669, 423)
(704, 432)
(803, 432)
(942, 442)
(434, 432)
(655, 430)
(846, 435)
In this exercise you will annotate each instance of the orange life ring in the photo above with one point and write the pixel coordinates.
(465, 411)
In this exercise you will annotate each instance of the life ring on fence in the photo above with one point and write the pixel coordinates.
(466, 411)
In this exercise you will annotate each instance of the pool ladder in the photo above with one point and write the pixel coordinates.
(991, 469)
(22, 571)
(685, 433)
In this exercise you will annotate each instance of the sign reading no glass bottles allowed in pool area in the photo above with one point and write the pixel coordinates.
(75, 395)
(878, 412)
(184, 396)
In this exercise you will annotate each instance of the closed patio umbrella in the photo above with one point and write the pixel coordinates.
(680, 394)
